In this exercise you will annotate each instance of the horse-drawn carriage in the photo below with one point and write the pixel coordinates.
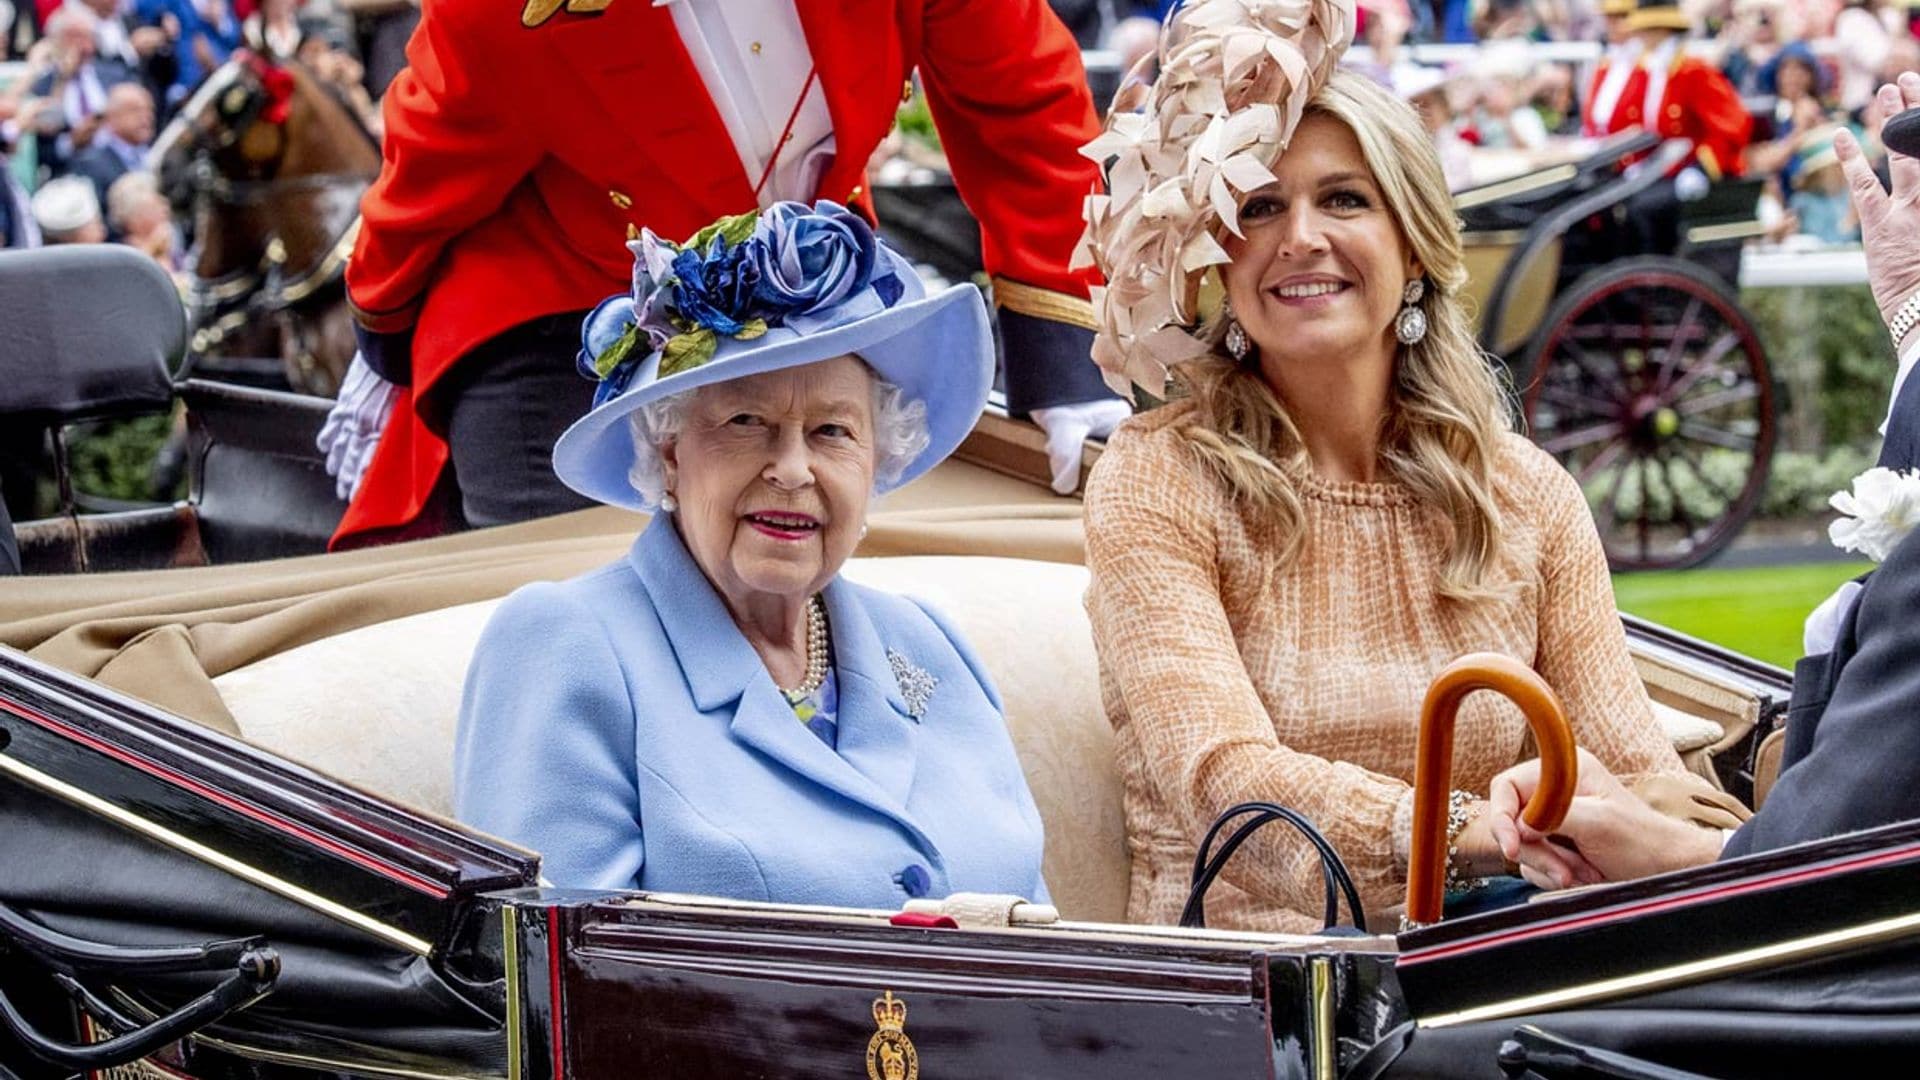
(1637, 369)
(261, 880)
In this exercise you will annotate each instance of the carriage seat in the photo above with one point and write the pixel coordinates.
(377, 706)
(97, 332)
(389, 724)
(93, 331)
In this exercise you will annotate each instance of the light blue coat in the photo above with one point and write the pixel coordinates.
(620, 724)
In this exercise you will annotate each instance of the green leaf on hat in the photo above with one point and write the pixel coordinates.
(684, 352)
(617, 353)
(734, 229)
(751, 329)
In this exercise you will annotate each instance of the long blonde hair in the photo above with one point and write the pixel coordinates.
(1448, 408)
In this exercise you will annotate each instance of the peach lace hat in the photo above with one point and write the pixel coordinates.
(1235, 76)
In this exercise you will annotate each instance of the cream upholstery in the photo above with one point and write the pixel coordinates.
(377, 706)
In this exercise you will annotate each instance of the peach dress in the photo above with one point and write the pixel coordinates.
(1229, 678)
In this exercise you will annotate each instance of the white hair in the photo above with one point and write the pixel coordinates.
(899, 435)
(80, 17)
(125, 195)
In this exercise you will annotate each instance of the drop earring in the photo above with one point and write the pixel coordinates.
(668, 504)
(1236, 339)
(1410, 326)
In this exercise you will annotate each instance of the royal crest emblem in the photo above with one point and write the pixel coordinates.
(890, 1054)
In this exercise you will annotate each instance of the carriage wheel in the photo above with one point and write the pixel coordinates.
(1650, 386)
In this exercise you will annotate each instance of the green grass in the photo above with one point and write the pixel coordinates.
(1758, 612)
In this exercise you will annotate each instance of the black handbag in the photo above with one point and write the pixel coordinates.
(1207, 863)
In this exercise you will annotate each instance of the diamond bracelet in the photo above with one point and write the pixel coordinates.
(1460, 814)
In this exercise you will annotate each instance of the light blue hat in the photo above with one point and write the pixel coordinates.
(772, 289)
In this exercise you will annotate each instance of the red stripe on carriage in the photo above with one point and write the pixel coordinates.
(553, 991)
(153, 768)
(1652, 907)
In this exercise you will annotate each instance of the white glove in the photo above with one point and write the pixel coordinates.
(353, 428)
(1070, 426)
(1691, 184)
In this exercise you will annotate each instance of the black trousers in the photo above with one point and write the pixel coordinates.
(501, 409)
(24, 464)
(9, 557)
(1653, 220)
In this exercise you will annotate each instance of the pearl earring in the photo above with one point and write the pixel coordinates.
(668, 504)
(1410, 326)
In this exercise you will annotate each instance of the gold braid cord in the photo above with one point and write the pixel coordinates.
(1235, 76)
(1032, 300)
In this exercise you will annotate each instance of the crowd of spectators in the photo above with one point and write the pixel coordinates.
(87, 85)
(1804, 68)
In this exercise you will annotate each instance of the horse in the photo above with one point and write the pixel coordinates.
(270, 163)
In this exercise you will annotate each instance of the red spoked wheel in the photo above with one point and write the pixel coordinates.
(1649, 384)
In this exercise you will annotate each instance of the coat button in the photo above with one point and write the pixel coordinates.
(1673, 111)
(914, 881)
(855, 193)
(620, 199)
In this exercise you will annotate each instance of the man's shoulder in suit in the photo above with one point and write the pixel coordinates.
(1859, 760)
(100, 165)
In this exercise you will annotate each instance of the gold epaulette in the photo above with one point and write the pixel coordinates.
(1709, 162)
(539, 11)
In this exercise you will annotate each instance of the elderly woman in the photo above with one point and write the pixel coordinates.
(1334, 505)
(719, 713)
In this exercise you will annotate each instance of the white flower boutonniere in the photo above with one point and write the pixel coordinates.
(1881, 510)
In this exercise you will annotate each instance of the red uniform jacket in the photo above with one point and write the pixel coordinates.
(1698, 104)
(1626, 108)
(517, 158)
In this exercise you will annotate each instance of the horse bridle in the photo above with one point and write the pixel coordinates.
(219, 306)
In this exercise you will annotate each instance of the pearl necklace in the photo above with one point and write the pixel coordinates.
(817, 649)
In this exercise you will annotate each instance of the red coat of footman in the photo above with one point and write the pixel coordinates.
(1698, 104)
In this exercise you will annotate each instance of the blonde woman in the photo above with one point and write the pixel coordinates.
(1334, 505)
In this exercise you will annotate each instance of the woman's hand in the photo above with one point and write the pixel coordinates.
(1481, 848)
(1609, 833)
(83, 132)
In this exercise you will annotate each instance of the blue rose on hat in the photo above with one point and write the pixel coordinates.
(715, 290)
(812, 258)
(791, 285)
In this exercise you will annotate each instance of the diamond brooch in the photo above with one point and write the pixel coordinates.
(916, 683)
